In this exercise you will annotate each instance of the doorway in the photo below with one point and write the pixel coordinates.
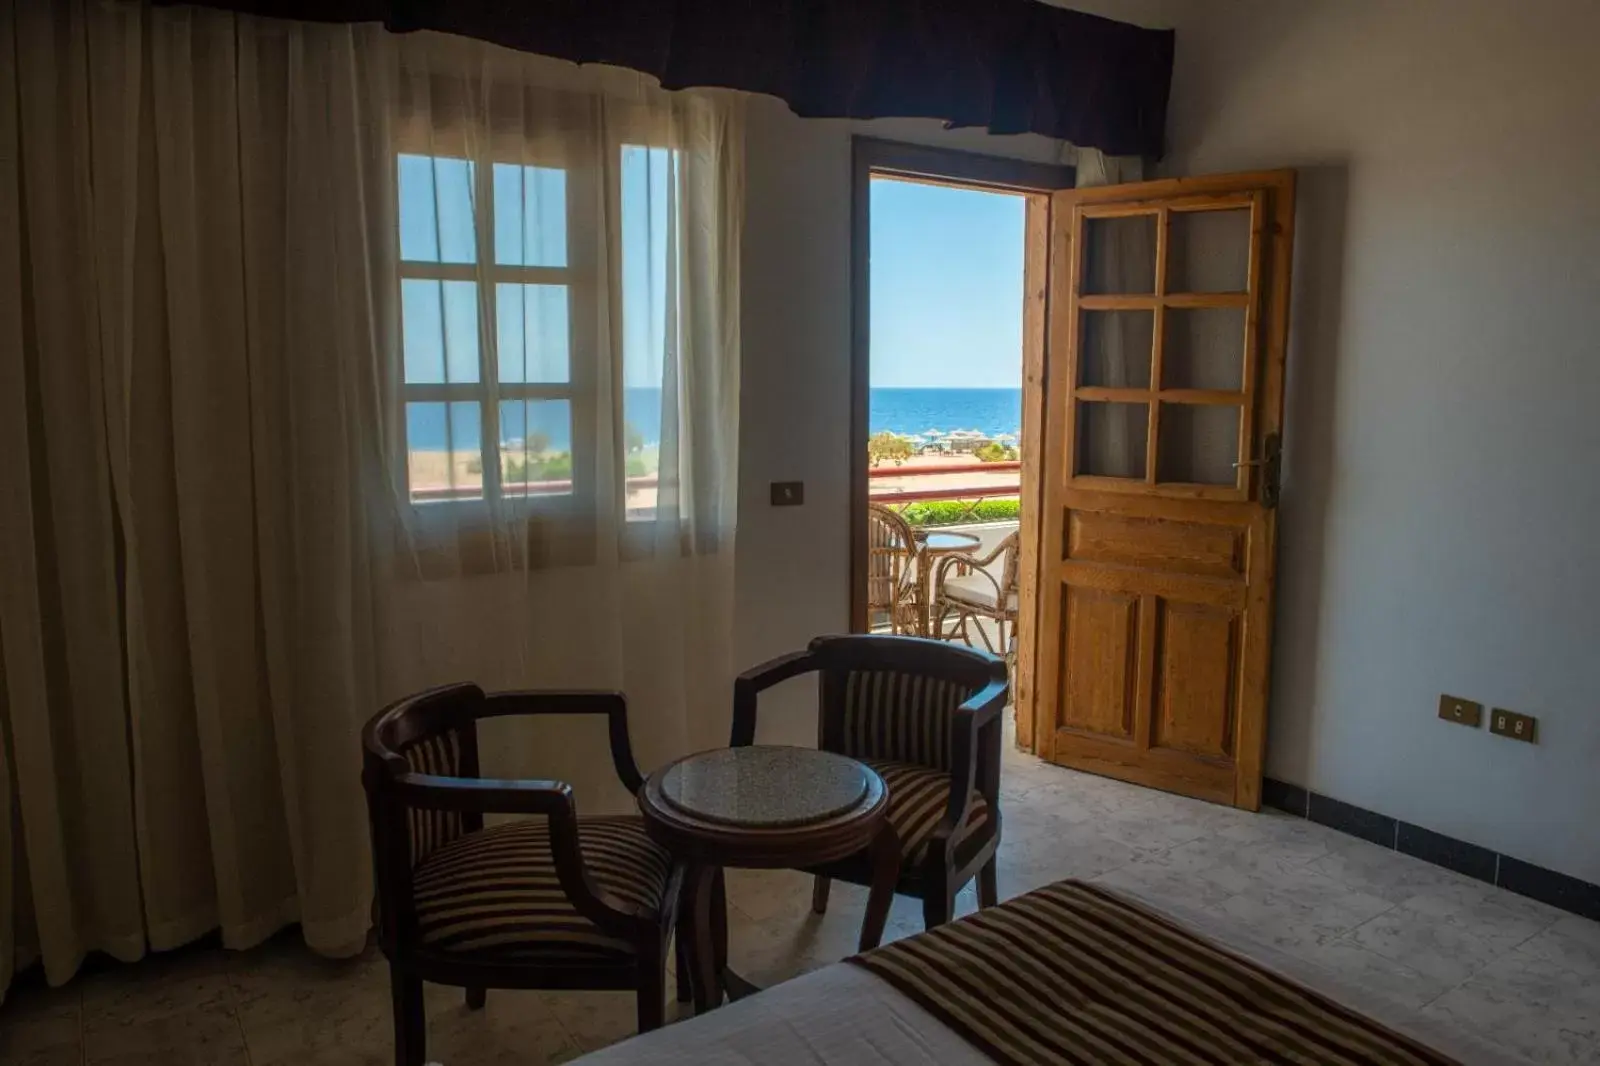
(948, 324)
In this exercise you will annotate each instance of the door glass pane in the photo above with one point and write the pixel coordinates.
(1204, 348)
(436, 210)
(1116, 349)
(1198, 444)
(533, 332)
(444, 451)
(1208, 251)
(530, 216)
(1111, 439)
(536, 447)
(439, 323)
(1120, 255)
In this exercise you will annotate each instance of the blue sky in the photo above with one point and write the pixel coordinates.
(946, 287)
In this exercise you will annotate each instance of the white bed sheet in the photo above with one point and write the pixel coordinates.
(843, 1016)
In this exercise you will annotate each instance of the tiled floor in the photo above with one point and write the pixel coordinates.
(1498, 966)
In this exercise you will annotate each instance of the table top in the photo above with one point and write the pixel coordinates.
(764, 786)
(764, 806)
(947, 541)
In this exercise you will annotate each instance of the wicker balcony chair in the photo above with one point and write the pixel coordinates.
(926, 717)
(965, 591)
(892, 570)
(553, 901)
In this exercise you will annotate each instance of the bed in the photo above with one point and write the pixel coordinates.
(898, 1006)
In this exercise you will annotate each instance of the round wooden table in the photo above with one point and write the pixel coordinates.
(763, 807)
(931, 544)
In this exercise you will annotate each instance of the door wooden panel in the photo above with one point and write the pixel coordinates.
(1167, 323)
(1197, 666)
(1100, 646)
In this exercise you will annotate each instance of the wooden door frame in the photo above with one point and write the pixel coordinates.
(971, 170)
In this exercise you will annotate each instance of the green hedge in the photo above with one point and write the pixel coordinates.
(957, 512)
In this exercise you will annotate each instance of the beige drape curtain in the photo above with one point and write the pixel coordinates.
(213, 565)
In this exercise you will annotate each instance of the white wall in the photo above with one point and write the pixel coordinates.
(1440, 505)
(1444, 394)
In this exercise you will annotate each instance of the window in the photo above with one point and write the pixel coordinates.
(499, 296)
(486, 249)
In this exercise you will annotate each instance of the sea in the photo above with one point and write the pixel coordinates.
(907, 411)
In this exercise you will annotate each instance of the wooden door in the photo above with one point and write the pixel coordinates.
(1168, 317)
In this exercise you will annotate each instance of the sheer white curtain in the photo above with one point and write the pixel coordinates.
(269, 457)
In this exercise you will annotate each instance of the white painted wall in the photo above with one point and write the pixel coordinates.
(1440, 505)
(1444, 394)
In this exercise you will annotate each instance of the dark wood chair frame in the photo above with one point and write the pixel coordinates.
(975, 728)
(393, 788)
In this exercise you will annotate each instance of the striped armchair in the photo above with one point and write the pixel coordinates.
(926, 716)
(553, 901)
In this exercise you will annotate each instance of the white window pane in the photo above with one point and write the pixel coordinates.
(530, 216)
(650, 310)
(436, 210)
(534, 333)
(536, 447)
(440, 319)
(444, 451)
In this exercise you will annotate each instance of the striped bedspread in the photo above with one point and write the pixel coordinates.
(1072, 973)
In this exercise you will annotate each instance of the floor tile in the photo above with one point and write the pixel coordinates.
(1444, 950)
(204, 1036)
(156, 986)
(1536, 1009)
(1357, 967)
(42, 1027)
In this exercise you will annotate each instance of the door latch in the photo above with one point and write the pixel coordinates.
(1271, 464)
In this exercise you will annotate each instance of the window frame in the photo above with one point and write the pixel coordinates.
(578, 277)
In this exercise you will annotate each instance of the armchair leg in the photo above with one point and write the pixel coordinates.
(819, 894)
(410, 1024)
(988, 883)
(938, 903)
(685, 982)
(652, 987)
(476, 998)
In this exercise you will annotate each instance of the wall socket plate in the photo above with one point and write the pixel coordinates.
(1462, 712)
(1513, 726)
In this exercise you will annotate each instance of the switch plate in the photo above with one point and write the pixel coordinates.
(788, 493)
(1513, 726)
(1462, 712)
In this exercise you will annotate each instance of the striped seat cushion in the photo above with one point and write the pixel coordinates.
(495, 894)
(918, 798)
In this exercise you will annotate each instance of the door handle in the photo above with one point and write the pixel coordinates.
(1271, 464)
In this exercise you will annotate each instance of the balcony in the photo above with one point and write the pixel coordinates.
(952, 494)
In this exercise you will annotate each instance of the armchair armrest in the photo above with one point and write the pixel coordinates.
(969, 720)
(976, 562)
(750, 684)
(552, 799)
(577, 701)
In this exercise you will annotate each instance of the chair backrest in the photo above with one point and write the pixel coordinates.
(888, 697)
(1010, 566)
(434, 733)
(890, 548)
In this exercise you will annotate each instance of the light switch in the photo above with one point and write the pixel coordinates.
(788, 493)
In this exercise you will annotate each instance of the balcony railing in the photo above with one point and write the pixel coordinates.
(971, 493)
